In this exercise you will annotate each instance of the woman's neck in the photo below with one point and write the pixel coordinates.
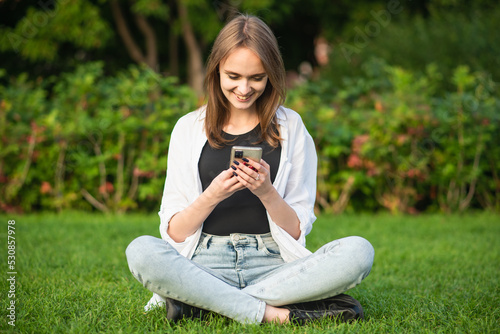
(241, 122)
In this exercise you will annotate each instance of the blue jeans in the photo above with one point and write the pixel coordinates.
(237, 275)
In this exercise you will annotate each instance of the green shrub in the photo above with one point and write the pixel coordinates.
(22, 103)
(390, 139)
(97, 141)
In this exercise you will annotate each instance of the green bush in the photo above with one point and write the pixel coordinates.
(88, 140)
(391, 139)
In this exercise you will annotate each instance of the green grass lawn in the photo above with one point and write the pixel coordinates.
(432, 273)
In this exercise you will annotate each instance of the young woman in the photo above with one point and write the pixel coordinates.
(233, 235)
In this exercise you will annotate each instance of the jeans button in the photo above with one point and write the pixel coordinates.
(236, 237)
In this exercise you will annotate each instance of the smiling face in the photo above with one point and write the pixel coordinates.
(242, 79)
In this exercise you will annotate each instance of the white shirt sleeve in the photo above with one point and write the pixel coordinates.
(300, 191)
(296, 182)
(181, 182)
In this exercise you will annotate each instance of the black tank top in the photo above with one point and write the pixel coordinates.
(242, 212)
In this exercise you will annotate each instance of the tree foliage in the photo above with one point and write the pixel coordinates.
(42, 31)
(52, 36)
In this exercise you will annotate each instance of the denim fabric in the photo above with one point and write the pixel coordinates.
(238, 275)
(240, 259)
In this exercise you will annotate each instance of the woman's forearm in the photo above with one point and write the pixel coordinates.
(281, 213)
(188, 221)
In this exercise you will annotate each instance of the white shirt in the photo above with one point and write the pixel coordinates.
(295, 181)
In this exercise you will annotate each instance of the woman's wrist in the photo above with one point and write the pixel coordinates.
(270, 196)
(210, 196)
(281, 212)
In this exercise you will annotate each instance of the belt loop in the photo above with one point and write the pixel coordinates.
(260, 243)
(206, 239)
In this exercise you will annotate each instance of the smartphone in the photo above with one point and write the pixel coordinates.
(249, 152)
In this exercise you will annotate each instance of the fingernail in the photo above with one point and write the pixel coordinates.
(236, 162)
(234, 173)
(233, 167)
(245, 159)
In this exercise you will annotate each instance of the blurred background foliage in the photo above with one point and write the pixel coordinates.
(400, 96)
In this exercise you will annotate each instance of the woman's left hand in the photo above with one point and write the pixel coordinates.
(254, 176)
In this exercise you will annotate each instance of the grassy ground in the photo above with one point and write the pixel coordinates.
(432, 273)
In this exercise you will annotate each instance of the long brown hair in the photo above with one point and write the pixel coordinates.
(250, 32)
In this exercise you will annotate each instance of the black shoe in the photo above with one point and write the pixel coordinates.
(177, 310)
(341, 307)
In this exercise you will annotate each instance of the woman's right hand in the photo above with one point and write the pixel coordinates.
(223, 186)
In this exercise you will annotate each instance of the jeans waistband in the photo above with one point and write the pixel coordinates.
(237, 239)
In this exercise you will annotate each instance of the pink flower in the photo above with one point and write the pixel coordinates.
(143, 173)
(45, 188)
(106, 188)
(358, 142)
(354, 161)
